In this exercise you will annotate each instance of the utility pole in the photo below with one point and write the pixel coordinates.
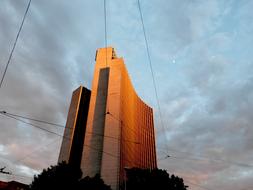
(125, 176)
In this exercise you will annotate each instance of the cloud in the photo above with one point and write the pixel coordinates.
(202, 59)
(51, 59)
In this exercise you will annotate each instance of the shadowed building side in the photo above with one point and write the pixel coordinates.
(73, 140)
(94, 137)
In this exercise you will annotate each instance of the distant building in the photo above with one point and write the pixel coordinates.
(72, 145)
(12, 185)
(110, 125)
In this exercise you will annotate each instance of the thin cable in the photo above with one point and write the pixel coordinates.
(197, 158)
(154, 83)
(68, 138)
(151, 68)
(187, 181)
(181, 158)
(106, 136)
(16, 175)
(61, 136)
(32, 119)
(33, 125)
(32, 152)
(15, 42)
(185, 177)
(205, 158)
(134, 131)
(105, 31)
(61, 126)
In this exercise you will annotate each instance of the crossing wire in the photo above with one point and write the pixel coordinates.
(105, 30)
(34, 151)
(16, 175)
(56, 134)
(151, 67)
(65, 137)
(32, 119)
(13, 116)
(202, 158)
(15, 42)
(190, 156)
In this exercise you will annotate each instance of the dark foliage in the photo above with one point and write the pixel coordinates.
(66, 177)
(95, 183)
(155, 179)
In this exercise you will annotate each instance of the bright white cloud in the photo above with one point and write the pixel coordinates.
(3, 150)
(27, 171)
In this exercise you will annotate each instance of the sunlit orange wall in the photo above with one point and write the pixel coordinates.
(138, 140)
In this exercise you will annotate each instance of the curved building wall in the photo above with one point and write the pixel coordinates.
(138, 139)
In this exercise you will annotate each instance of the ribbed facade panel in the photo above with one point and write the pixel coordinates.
(138, 129)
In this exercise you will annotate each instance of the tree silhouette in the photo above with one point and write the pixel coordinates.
(66, 177)
(155, 179)
(95, 183)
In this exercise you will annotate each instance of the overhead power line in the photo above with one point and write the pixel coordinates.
(15, 42)
(181, 158)
(15, 175)
(168, 155)
(203, 158)
(13, 116)
(33, 151)
(105, 23)
(36, 126)
(105, 30)
(132, 130)
(68, 138)
(151, 68)
(32, 119)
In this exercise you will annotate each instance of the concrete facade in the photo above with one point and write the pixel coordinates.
(73, 140)
(119, 132)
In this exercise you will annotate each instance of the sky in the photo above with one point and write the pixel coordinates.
(202, 58)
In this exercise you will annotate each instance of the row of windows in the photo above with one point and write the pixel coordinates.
(137, 128)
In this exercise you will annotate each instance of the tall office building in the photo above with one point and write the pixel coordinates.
(110, 124)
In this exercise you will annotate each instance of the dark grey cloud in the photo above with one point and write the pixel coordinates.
(54, 55)
(202, 58)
